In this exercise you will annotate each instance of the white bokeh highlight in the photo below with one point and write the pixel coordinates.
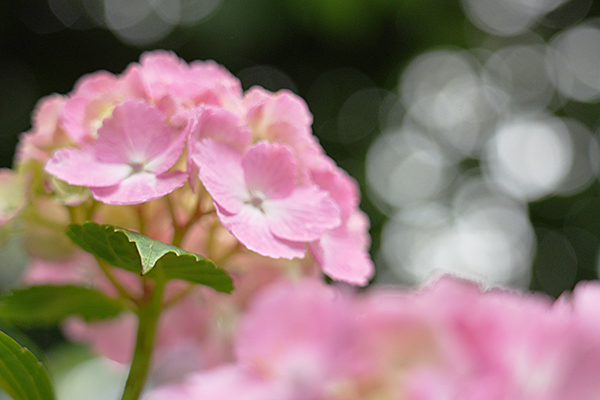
(529, 158)
(572, 62)
(508, 17)
(406, 167)
(486, 237)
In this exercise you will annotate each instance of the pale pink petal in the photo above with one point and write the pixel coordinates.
(46, 120)
(140, 188)
(92, 100)
(81, 168)
(169, 157)
(303, 216)
(45, 135)
(250, 226)
(137, 133)
(343, 253)
(220, 125)
(163, 72)
(270, 169)
(202, 82)
(219, 86)
(221, 174)
(269, 112)
(341, 187)
(283, 117)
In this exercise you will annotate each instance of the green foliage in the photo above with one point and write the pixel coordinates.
(140, 254)
(49, 305)
(22, 376)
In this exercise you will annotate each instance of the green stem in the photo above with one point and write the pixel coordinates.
(149, 315)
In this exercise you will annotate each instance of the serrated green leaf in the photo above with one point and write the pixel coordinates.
(138, 253)
(49, 305)
(22, 376)
(109, 244)
(188, 267)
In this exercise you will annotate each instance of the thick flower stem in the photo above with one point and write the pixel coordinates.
(149, 315)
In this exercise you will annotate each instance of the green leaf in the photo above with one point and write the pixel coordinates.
(22, 376)
(135, 252)
(104, 241)
(49, 305)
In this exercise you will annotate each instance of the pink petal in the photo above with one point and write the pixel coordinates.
(221, 174)
(140, 188)
(270, 169)
(81, 168)
(251, 228)
(341, 187)
(304, 216)
(94, 94)
(342, 252)
(137, 133)
(267, 112)
(283, 117)
(223, 126)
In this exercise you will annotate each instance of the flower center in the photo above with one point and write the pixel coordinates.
(256, 200)
(137, 166)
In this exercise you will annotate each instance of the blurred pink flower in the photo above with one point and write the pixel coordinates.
(447, 340)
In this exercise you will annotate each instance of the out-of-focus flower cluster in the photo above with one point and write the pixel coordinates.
(448, 340)
(180, 153)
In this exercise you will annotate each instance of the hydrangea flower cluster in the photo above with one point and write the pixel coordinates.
(180, 153)
(448, 340)
(142, 135)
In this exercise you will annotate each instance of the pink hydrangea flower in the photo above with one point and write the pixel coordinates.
(282, 117)
(258, 200)
(128, 163)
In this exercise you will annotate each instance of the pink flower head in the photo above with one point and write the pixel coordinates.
(128, 163)
(258, 200)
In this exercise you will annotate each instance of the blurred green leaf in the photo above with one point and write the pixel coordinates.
(22, 376)
(49, 305)
(135, 252)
